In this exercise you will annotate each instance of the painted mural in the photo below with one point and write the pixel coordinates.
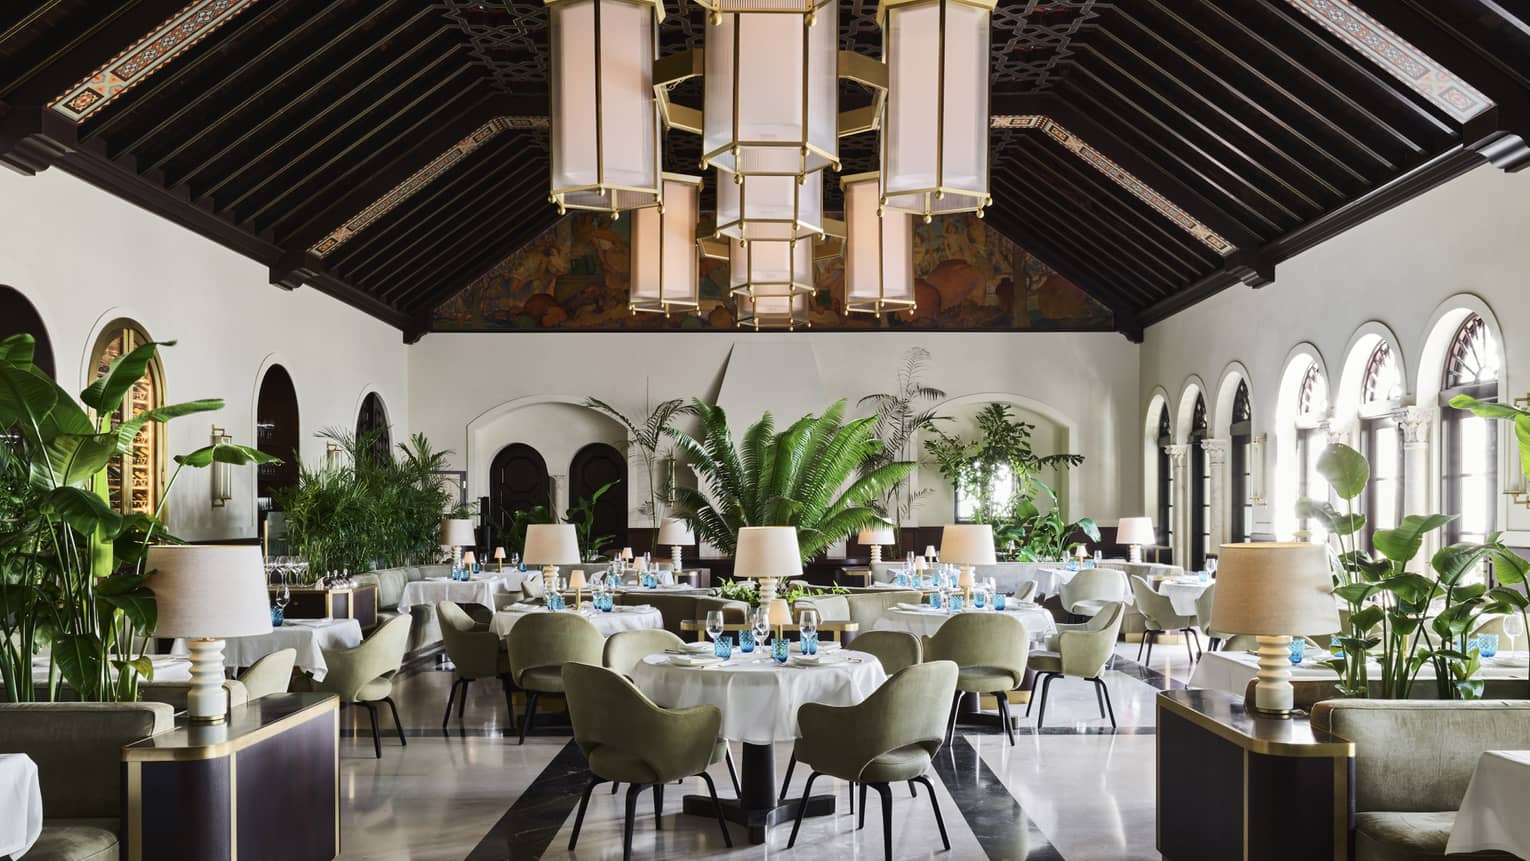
(575, 275)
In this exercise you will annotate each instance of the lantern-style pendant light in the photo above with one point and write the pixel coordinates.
(935, 135)
(769, 207)
(800, 7)
(879, 251)
(771, 92)
(664, 270)
(605, 125)
(771, 282)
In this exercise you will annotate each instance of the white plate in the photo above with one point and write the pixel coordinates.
(700, 648)
(815, 660)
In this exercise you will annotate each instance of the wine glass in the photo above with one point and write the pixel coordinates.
(1513, 628)
(807, 621)
(714, 624)
(761, 625)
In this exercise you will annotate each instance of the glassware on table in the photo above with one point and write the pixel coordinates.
(1298, 650)
(940, 597)
(761, 625)
(908, 560)
(1513, 628)
(954, 603)
(979, 599)
(277, 617)
(807, 627)
(722, 647)
(780, 649)
(1099, 556)
(1487, 645)
(746, 640)
(714, 624)
(1336, 646)
(999, 601)
(810, 643)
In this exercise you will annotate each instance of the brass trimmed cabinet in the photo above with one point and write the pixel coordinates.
(264, 784)
(1233, 785)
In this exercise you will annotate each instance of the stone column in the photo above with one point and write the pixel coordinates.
(1417, 425)
(1216, 464)
(559, 495)
(1178, 468)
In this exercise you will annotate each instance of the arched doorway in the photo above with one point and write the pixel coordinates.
(276, 432)
(18, 317)
(372, 428)
(517, 481)
(594, 466)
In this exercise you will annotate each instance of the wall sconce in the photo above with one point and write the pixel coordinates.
(222, 473)
(1256, 482)
(333, 453)
(1514, 483)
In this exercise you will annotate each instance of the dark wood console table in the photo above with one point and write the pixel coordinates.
(1233, 785)
(265, 784)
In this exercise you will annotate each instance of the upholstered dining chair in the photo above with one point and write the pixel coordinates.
(1091, 589)
(1160, 617)
(364, 675)
(990, 650)
(1080, 651)
(476, 653)
(627, 739)
(891, 736)
(1214, 638)
(269, 675)
(539, 645)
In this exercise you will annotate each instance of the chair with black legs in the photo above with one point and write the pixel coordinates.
(364, 675)
(990, 649)
(1160, 617)
(1081, 651)
(627, 739)
(889, 737)
(539, 645)
(476, 653)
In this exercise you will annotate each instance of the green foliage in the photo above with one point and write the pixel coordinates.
(646, 436)
(71, 567)
(582, 515)
(809, 476)
(748, 591)
(900, 416)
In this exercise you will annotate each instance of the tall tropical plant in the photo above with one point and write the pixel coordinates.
(646, 434)
(808, 476)
(71, 567)
(900, 415)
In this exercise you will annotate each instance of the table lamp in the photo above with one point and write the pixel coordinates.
(767, 554)
(930, 554)
(968, 545)
(627, 556)
(457, 533)
(780, 615)
(1080, 554)
(577, 583)
(874, 537)
(1274, 591)
(1136, 532)
(499, 556)
(205, 593)
(921, 564)
(675, 532)
(469, 559)
(550, 545)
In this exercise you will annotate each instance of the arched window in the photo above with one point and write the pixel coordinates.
(1381, 438)
(1241, 435)
(372, 428)
(276, 432)
(1311, 429)
(1200, 487)
(136, 479)
(1470, 445)
(1165, 480)
(18, 317)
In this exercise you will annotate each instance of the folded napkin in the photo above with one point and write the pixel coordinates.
(706, 647)
(826, 646)
(694, 660)
(816, 660)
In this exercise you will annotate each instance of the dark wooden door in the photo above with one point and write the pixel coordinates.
(276, 432)
(372, 428)
(517, 480)
(594, 466)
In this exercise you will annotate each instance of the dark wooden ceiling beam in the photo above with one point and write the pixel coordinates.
(1064, 264)
(86, 50)
(27, 19)
(399, 285)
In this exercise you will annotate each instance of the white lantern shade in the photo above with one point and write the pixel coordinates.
(877, 535)
(967, 544)
(879, 250)
(935, 136)
(457, 532)
(208, 591)
(664, 275)
(769, 207)
(771, 92)
(551, 544)
(771, 283)
(1136, 530)
(674, 531)
(604, 123)
(767, 551)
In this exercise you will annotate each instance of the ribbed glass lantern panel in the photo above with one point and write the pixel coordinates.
(664, 268)
(797, 6)
(769, 207)
(772, 310)
(879, 251)
(605, 129)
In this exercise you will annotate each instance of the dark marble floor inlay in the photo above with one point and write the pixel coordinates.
(531, 823)
(994, 816)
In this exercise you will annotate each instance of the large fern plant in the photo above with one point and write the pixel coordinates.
(808, 476)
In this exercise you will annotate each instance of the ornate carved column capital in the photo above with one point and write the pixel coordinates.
(1177, 455)
(1216, 450)
(1417, 424)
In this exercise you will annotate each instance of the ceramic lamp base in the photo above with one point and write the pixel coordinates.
(767, 591)
(1136, 555)
(549, 579)
(674, 559)
(1273, 695)
(876, 554)
(207, 701)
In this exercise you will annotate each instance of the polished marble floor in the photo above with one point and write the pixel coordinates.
(1073, 790)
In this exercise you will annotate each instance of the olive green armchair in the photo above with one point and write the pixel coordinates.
(539, 645)
(990, 649)
(1091, 589)
(1080, 651)
(364, 675)
(627, 739)
(476, 653)
(1159, 617)
(891, 736)
(269, 675)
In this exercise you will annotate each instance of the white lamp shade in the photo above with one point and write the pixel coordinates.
(627, 553)
(457, 532)
(1274, 590)
(967, 544)
(875, 535)
(576, 579)
(664, 266)
(469, 559)
(879, 251)
(767, 551)
(499, 553)
(1136, 530)
(780, 612)
(769, 207)
(209, 592)
(604, 132)
(551, 544)
(935, 136)
(675, 530)
(759, 72)
(929, 551)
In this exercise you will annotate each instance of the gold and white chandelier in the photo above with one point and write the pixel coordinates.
(664, 274)
(879, 250)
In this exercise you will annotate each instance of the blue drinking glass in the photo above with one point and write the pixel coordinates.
(999, 601)
(722, 647)
(1487, 645)
(746, 640)
(780, 649)
(1336, 646)
(810, 643)
(1298, 650)
(956, 604)
(277, 616)
(978, 600)
(935, 600)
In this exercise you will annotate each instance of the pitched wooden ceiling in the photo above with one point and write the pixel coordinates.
(387, 152)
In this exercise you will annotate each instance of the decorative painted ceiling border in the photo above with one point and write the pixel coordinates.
(147, 56)
(1117, 174)
(421, 178)
(1397, 56)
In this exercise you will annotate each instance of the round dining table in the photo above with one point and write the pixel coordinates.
(21, 811)
(925, 620)
(759, 699)
(634, 618)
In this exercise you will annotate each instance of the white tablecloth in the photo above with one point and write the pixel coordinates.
(632, 618)
(167, 668)
(758, 697)
(1232, 671)
(480, 590)
(923, 623)
(1183, 594)
(310, 637)
(1049, 581)
(1492, 815)
(21, 812)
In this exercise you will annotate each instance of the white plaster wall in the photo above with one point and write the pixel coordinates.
(1392, 273)
(84, 257)
(1087, 382)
